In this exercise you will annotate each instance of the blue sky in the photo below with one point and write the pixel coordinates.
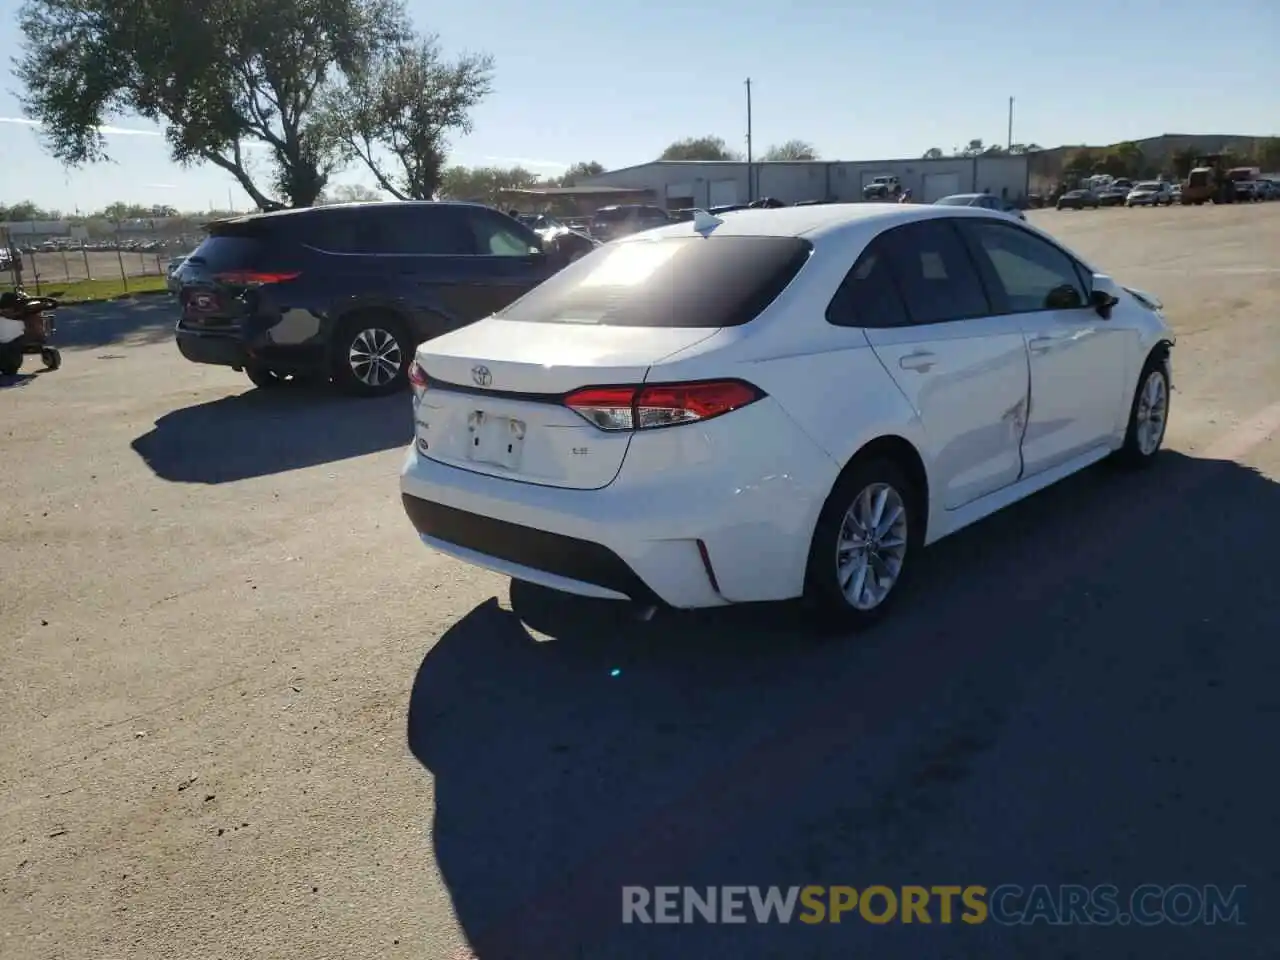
(618, 81)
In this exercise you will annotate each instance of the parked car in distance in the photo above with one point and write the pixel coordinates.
(811, 395)
(1149, 193)
(621, 220)
(1265, 189)
(171, 273)
(346, 292)
(1078, 200)
(882, 188)
(984, 200)
(569, 243)
(1114, 195)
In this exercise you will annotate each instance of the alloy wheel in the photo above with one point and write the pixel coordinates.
(1153, 405)
(871, 546)
(375, 357)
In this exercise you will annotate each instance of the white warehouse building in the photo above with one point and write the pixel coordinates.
(680, 184)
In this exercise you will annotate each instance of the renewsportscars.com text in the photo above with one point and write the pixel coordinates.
(1007, 904)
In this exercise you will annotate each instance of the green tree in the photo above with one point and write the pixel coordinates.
(1182, 161)
(973, 149)
(25, 210)
(396, 116)
(792, 150)
(933, 153)
(484, 184)
(578, 172)
(215, 75)
(1084, 162)
(348, 193)
(1266, 154)
(699, 148)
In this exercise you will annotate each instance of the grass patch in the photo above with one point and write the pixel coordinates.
(87, 291)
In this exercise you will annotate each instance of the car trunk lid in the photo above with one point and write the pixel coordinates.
(494, 403)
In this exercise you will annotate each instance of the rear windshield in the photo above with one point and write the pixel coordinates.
(673, 282)
(228, 253)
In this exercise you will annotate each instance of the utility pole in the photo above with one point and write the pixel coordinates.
(751, 177)
(1009, 145)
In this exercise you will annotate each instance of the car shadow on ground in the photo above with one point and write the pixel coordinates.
(576, 750)
(262, 432)
(147, 319)
(17, 380)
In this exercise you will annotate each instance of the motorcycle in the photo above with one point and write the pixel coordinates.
(26, 327)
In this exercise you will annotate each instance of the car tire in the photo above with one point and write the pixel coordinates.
(1148, 415)
(840, 592)
(371, 355)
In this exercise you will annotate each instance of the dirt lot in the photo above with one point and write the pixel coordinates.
(247, 715)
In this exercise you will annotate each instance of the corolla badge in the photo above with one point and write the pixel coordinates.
(481, 376)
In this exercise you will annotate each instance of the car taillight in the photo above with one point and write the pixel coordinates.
(660, 405)
(253, 278)
(417, 377)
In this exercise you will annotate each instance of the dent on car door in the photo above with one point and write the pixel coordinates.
(1077, 358)
(963, 371)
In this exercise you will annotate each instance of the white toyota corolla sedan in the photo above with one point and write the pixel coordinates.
(780, 403)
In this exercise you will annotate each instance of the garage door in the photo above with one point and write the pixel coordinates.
(723, 193)
(679, 196)
(939, 185)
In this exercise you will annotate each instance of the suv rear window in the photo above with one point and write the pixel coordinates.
(222, 252)
(672, 282)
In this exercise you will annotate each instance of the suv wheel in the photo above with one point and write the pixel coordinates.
(371, 355)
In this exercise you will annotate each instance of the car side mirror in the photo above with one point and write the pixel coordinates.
(1104, 294)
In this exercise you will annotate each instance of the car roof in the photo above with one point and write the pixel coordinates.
(813, 222)
(962, 196)
(358, 205)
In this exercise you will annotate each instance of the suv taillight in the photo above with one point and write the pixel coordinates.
(660, 405)
(253, 278)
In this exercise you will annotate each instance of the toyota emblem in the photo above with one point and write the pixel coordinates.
(481, 376)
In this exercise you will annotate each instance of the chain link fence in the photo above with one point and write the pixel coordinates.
(45, 254)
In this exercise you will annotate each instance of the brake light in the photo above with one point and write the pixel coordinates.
(253, 278)
(660, 405)
(417, 376)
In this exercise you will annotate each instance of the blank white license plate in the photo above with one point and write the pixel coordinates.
(496, 440)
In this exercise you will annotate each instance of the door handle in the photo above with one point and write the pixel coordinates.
(1041, 344)
(922, 361)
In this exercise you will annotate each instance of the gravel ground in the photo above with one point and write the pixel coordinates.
(247, 715)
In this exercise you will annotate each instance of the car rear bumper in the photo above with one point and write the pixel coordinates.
(732, 524)
(232, 349)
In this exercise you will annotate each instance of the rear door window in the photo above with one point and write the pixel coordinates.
(935, 272)
(673, 282)
(868, 297)
(423, 229)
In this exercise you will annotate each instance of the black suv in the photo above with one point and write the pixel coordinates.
(347, 292)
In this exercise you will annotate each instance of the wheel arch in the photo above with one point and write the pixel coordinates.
(903, 452)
